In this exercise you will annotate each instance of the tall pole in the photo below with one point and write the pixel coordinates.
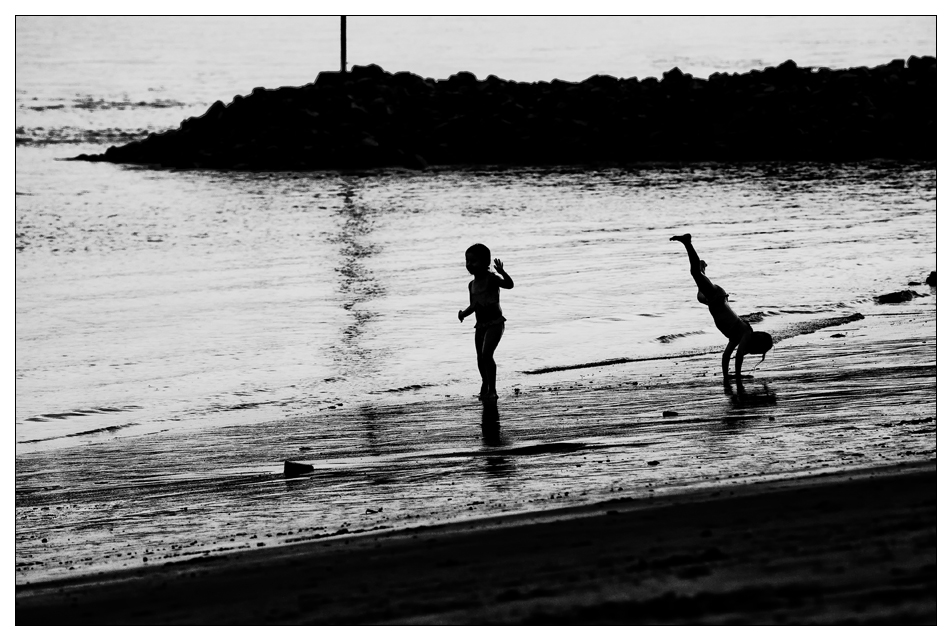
(343, 44)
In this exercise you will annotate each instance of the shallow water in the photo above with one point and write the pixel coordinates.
(180, 334)
(151, 300)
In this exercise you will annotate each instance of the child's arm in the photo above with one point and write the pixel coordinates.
(506, 278)
(463, 313)
(726, 359)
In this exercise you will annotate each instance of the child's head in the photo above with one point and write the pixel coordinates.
(477, 258)
(759, 343)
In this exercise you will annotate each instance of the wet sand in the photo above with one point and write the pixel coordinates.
(854, 547)
(812, 504)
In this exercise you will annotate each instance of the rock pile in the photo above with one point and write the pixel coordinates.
(371, 118)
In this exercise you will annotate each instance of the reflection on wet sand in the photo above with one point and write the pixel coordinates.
(371, 423)
(490, 425)
(496, 466)
(500, 467)
(743, 398)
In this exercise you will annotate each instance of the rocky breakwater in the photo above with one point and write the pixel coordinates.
(371, 118)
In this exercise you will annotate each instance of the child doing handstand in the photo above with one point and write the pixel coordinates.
(738, 331)
(490, 323)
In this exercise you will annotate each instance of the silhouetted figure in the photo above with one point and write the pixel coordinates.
(490, 323)
(739, 333)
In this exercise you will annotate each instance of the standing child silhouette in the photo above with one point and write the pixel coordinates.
(490, 323)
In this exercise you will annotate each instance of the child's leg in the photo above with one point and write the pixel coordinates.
(492, 336)
(480, 340)
(692, 253)
(697, 265)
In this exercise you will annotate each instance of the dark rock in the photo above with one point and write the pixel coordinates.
(462, 79)
(410, 81)
(329, 79)
(600, 81)
(215, 111)
(788, 68)
(653, 463)
(916, 63)
(674, 75)
(373, 72)
(930, 280)
(370, 118)
(292, 469)
(838, 336)
(903, 296)
(667, 413)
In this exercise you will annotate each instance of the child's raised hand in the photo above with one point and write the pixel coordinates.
(506, 282)
(461, 315)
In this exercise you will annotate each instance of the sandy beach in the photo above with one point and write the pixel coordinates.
(846, 548)
(846, 535)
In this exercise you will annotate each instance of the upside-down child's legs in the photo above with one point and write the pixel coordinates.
(487, 339)
(697, 265)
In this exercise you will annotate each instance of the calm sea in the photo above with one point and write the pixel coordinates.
(180, 303)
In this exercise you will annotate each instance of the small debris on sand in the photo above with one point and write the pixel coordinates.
(292, 469)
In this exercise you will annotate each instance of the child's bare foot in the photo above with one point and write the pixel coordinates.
(684, 238)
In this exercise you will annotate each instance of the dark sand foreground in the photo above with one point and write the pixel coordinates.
(855, 548)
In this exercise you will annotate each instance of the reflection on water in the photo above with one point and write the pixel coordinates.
(357, 283)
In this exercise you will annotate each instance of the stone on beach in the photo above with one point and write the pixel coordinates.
(369, 118)
(931, 280)
(903, 296)
(292, 469)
